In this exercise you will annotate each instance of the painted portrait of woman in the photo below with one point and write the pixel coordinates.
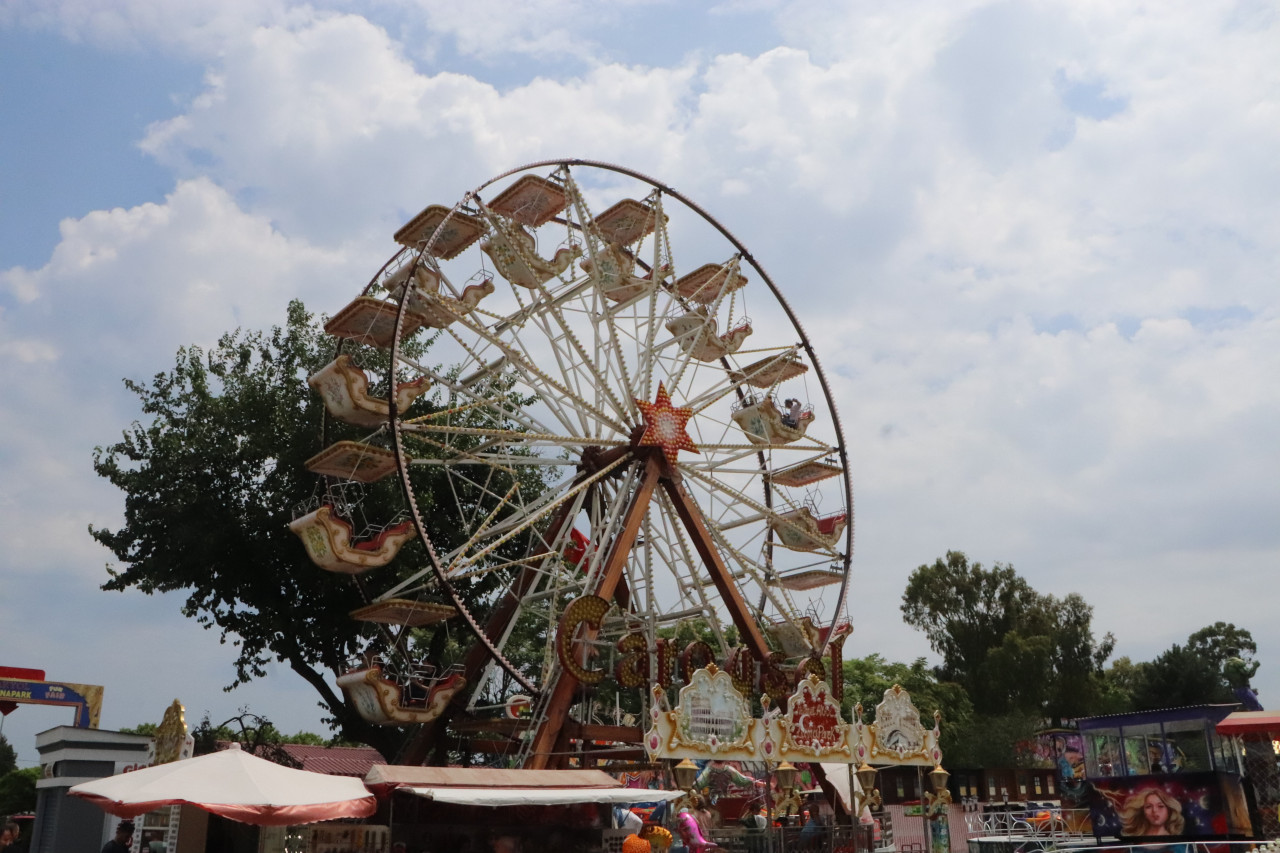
(1152, 811)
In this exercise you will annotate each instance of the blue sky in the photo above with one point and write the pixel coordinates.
(1036, 245)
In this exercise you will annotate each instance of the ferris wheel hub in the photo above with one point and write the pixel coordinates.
(665, 426)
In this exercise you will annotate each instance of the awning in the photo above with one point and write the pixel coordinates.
(1250, 722)
(540, 796)
(234, 784)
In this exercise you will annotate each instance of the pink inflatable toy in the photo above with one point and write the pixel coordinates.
(692, 836)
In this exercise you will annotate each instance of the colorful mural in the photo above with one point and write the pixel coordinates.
(1187, 805)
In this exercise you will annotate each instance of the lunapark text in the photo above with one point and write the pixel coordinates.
(635, 667)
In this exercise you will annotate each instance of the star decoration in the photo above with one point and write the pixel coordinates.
(665, 426)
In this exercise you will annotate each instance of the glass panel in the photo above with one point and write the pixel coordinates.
(1187, 751)
(1143, 747)
(1136, 760)
(1102, 754)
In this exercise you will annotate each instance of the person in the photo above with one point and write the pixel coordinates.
(501, 844)
(810, 832)
(6, 837)
(792, 417)
(756, 825)
(124, 837)
(1152, 811)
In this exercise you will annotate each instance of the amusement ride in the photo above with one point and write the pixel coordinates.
(598, 447)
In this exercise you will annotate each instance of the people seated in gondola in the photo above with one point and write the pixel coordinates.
(417, 687)
(792, 416)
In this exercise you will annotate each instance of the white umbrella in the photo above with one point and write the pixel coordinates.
(234, 784)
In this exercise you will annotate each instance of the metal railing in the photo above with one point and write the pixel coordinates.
(793, 839)
(1049, 823)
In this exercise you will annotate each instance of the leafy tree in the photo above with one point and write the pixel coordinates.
(1229, 649)
(18, 790)
(1013, 650)
(212, 482)
(1119, 683)
(1214, 660)
(8, 756)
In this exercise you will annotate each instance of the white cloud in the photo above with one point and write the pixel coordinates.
(1035, 246)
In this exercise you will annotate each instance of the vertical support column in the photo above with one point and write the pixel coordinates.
(542, 753)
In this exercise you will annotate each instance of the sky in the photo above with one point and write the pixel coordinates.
(1035, 244)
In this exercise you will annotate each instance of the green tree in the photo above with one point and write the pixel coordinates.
(18, 791)
(212, 482)
(8, 756)
(1229, 649)
(1214, 660)
(1012, 649)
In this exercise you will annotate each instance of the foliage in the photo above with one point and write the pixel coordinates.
(213, 480)
(210, 484)
(8, 756)
(1215, 659)
(18, 790)
(254, 734)
(1229, 649)
(1013, 650)
(148, 729)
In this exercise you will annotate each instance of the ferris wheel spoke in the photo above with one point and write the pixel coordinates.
(763, 513)
(526, 439)
(584, 360)
(498, 407)
(544, 306)
(461, 563)
(538, 378)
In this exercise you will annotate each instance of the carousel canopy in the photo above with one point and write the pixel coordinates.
(234, 784)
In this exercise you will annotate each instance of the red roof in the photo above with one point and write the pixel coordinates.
(1249, 722)
(335, 760)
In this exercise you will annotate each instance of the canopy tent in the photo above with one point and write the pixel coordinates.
(840, 777)
(1249, 722)
(234, 784)
(484, 786)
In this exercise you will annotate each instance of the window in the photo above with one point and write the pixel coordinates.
(1102, 753)
(1187, 748)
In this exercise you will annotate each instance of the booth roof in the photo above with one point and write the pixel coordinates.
(540, 796)
(1250, 722)
(384, 777)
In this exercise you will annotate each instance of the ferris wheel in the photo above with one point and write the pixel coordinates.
(599, 405)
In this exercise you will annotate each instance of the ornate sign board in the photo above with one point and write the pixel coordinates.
(713, 720)
(897, 736)
(172, 742)
(812, 728)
